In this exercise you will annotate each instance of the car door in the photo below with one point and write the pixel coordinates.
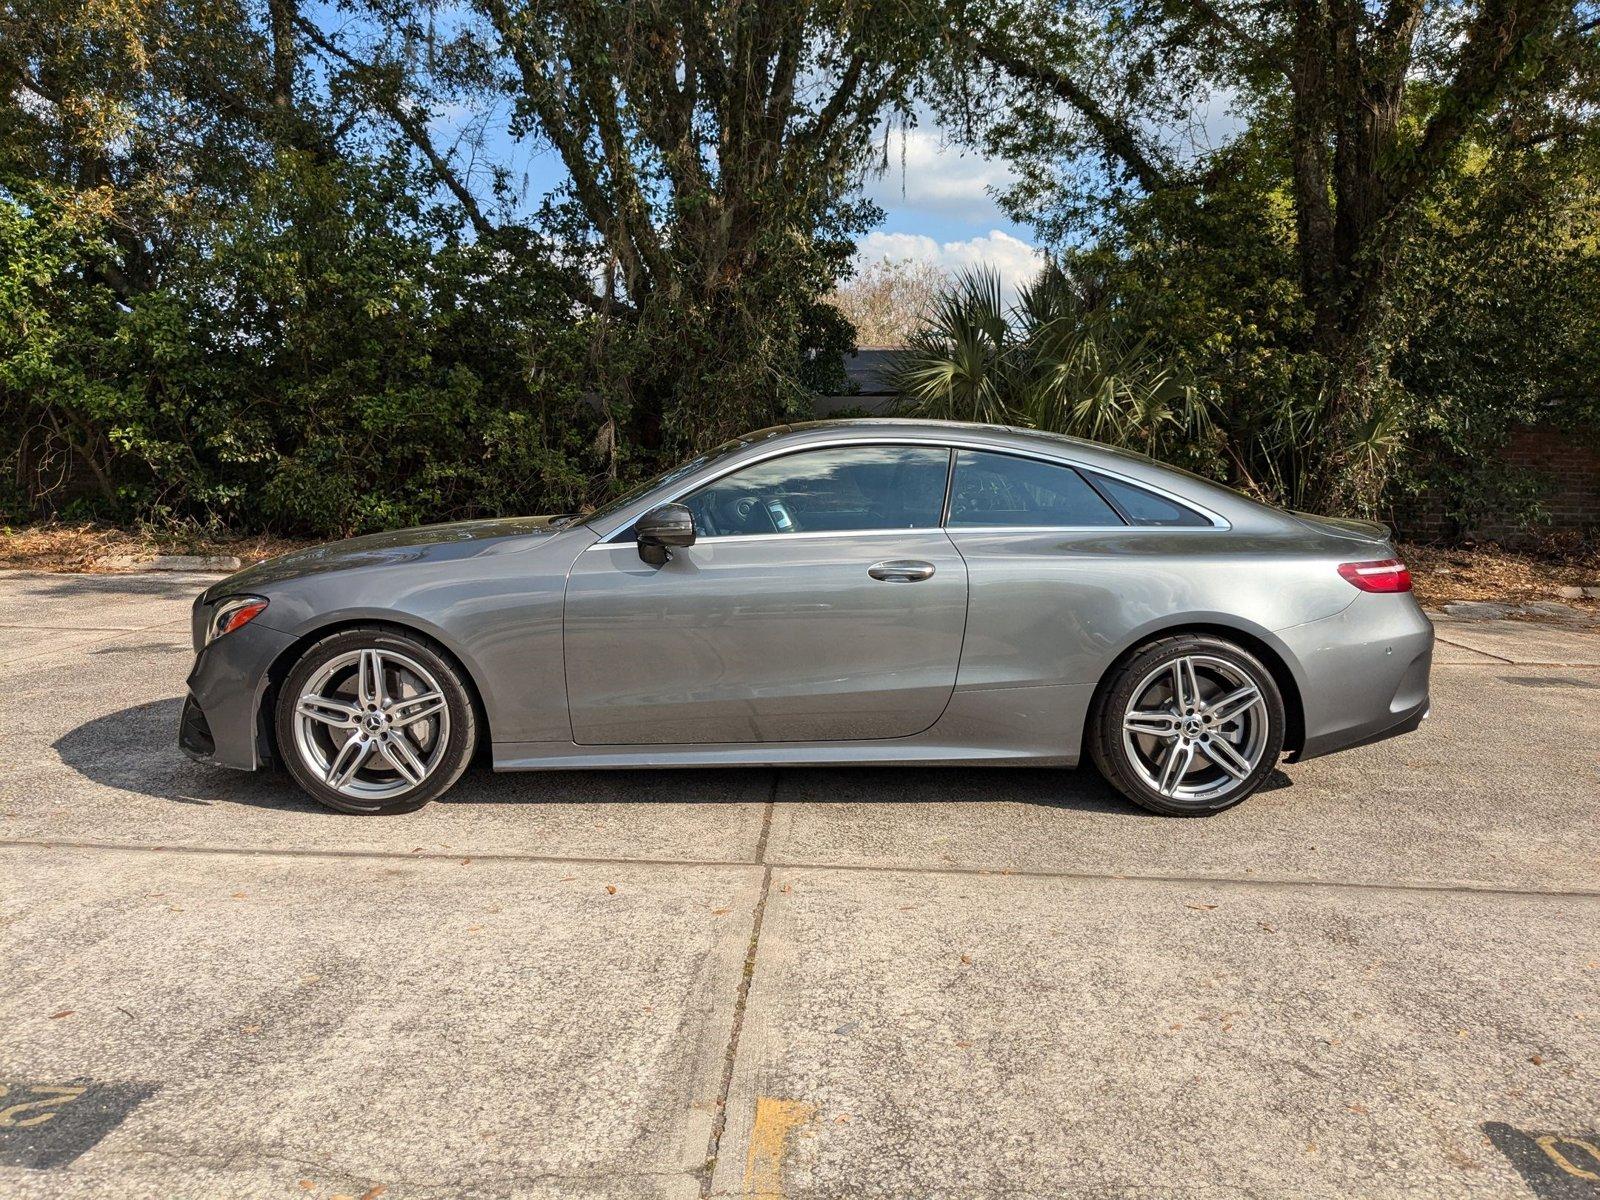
(821, 601)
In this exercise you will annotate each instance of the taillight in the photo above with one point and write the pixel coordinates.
(232, 613)
(1380, 575)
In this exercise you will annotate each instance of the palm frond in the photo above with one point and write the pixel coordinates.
(1054, 362)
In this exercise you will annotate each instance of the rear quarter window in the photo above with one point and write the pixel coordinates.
(998, 490)
(1146, 508)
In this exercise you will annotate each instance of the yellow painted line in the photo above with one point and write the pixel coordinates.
(1563, 1159)
(776, 1122)
(52, 1096)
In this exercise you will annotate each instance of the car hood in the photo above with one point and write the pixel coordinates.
(433, 543)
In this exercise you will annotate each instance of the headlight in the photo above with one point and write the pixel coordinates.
(233, 612)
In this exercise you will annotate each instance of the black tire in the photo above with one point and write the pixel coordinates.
(452, 756)
(1111, 755)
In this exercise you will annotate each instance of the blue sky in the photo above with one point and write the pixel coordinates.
(939, 206)
(937, 196)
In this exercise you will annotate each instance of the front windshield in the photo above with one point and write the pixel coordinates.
(637, 492)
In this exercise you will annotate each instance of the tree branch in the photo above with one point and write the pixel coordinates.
(1118, 139)
(1504, 34)
(1234, 30)
(416, 132)
(558, 122)
(393, 105)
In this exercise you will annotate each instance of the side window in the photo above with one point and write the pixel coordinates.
(999, 489)
(842, 489)
(1147, 508)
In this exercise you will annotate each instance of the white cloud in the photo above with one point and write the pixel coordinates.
(1014, 259)
(927, 174)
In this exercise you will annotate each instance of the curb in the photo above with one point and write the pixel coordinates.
(172, 562)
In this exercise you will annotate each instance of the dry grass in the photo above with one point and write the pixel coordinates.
(1489, 573)
(89, 548)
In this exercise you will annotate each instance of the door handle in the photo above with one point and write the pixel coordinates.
(901, 570)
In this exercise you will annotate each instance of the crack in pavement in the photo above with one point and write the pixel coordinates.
(719, 1122)
(1422, 886)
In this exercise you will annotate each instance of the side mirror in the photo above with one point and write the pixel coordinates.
(662, 528)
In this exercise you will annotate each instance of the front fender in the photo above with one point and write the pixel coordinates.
(501, 622)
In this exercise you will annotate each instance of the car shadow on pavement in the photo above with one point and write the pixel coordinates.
(135, 750)
(1081, 789)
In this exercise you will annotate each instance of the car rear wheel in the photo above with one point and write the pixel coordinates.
(371, 720)
(1188, 725)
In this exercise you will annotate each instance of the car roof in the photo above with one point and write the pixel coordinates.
(1082, 450)
(867, 427)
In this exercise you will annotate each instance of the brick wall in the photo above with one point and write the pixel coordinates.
(1567, 464)
(1572, 466)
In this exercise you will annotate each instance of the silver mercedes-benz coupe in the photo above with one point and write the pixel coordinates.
(841, 592)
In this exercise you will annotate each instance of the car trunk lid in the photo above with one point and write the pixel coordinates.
(1371, 532)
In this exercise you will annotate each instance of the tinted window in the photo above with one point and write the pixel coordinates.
(842, 489)
(998, 489)
(1147, 508)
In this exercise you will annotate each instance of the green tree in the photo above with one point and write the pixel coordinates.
(1359, 114)
(713, 150)
(1505, 324)
(229, 294)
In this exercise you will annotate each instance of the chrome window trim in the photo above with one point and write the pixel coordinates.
(953, 530)
(804, 535)
(1218, 522)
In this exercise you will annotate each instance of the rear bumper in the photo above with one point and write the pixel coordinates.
(221, 721)
(1407, 724)
(1364, 672)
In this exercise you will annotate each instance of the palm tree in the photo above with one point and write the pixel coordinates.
(958, 363)
(1057, 360)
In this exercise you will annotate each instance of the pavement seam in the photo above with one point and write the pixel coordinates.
(768, 867)
(719, 1120)
(1463, 646)
(70, 628)
(112, 633)
(1498, 663)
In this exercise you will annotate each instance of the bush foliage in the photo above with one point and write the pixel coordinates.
(246, 282)
(260, 270)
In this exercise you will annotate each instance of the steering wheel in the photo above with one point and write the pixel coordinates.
(751, 513)
(746, 512)
(705, 520)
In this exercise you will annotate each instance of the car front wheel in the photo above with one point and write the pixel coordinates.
(1189, 725)
(371, 720)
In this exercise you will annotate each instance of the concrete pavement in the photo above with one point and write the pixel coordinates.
(1380, 978)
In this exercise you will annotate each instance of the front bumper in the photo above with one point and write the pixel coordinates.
(1365, 672)
(222, 718)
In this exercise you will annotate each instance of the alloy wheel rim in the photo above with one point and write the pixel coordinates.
(1195, 728)
(372, 724)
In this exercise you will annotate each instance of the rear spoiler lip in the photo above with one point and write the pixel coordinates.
(1374, 532)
